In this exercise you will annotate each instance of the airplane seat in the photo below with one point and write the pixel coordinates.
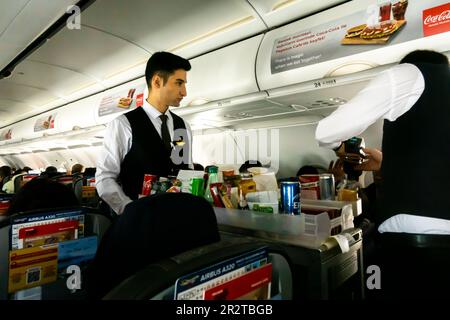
(255, 264)
(76, 245)
(414, 266)
(150, 229)
(77, 186)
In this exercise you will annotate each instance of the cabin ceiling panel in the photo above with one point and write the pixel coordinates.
(91, 52)
(62, 81)
(33, 96)
(174, 25)
(22, 21)
(11, 107)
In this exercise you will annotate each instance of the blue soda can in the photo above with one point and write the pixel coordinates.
(290, 197)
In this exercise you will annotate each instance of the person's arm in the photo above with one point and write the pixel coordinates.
(116, 144)
(389, 95)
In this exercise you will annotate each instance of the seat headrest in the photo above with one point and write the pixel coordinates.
(391, 239)
(150, 229)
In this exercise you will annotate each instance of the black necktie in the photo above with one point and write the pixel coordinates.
(165, 135)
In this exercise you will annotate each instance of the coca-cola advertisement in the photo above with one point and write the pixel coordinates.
(436, 20)
(358, 26)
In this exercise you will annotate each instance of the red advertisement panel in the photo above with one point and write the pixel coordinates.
(436, 20)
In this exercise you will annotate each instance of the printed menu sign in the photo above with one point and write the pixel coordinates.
(247, 275)
(31, 267)
(126, 99)
(382, 23)
(45, 123)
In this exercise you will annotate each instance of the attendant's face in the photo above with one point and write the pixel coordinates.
(174, 90)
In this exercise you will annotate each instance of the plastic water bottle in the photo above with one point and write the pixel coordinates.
(212, 178)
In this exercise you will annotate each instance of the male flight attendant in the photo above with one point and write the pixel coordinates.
(147, 140)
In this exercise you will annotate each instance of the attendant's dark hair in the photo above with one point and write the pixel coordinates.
(42, 193)
(164, 64)
(425, 56)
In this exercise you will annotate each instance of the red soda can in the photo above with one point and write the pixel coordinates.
(149, 179)
(310, 184)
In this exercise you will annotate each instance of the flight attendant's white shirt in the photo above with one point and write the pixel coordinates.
(391, 94)
(116, 144)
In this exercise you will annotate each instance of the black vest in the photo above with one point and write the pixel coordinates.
(147, 153)
(416, 152)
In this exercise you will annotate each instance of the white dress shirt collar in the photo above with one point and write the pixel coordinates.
(152, 112)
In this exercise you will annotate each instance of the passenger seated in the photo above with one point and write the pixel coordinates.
(5, 174)
(249, 164)
(50, 172)
(198, 167)
(150, 229)
(10, 186)
(77, 169)
(42, 193)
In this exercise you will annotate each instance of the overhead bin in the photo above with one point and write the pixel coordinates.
(224, 73)
(222, 87)
(317, 47)
(278, 12)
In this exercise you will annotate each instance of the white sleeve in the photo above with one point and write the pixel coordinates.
(389, 95)
(116, 144)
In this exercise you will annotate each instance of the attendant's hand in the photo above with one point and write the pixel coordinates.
(374, 158)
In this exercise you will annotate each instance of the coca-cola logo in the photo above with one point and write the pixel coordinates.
(445, 15)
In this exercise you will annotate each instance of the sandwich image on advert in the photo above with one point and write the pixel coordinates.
(126, 102)
(355, 31)
(379, 29)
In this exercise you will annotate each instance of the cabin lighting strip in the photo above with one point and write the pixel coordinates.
(227, 27)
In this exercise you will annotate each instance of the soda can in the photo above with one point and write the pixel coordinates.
(290, 197)
(326, 184)
(310, 188)
(149, 179)
(197, 186)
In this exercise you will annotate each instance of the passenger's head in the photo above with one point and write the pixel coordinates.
(42, 193)
(307, 170)
(249, 164)
(77, 168)
(26, 169)
(166, 77)
(50, 172)
(425, 56)
(199, 167)
(5, 171)
(51, 169)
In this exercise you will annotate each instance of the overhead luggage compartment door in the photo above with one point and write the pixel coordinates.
(341, 41)
(224, 73)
